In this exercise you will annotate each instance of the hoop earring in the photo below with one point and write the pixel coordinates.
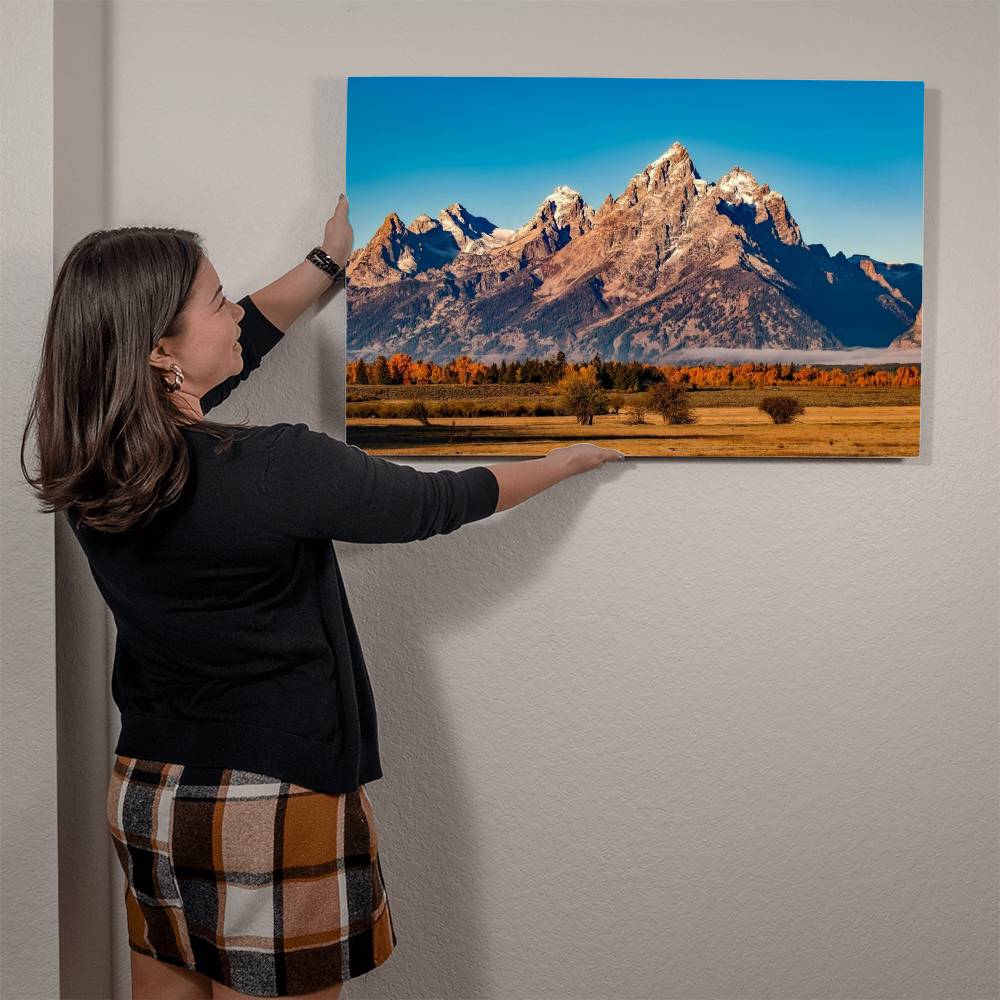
(178, 378)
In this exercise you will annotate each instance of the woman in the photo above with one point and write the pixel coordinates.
(236, 801)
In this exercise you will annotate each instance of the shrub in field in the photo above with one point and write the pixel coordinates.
(635, 414)
(781, 409)
(616, 401)
(414, 409)
(584, 399)
(671, 402)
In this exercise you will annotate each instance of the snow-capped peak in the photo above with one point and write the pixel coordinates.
(468, 230)
(561, 194)
(566, 202)
(422, 223)
(675, 151)
(738, 185)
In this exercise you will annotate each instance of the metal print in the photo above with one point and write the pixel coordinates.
(668, 267)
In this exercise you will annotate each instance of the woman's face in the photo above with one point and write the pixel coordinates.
(207, 349)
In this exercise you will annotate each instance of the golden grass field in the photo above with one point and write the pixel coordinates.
(720, 431)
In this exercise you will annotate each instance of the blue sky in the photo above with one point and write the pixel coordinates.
(847, 155)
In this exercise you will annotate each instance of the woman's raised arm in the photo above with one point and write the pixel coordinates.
(528, 476)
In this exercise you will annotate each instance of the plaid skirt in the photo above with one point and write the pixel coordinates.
(265, 886)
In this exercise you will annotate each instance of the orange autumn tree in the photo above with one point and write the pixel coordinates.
(420, 371)
(465, 370)
(399, 367)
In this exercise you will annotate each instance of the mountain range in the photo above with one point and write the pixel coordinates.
(672, 262)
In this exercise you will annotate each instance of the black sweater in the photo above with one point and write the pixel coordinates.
(236, 646)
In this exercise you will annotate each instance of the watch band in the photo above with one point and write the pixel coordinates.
(325, 262)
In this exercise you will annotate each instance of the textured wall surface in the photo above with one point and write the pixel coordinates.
(29, 877)
(689, 728)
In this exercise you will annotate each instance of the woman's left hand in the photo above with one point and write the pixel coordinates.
(338, 240)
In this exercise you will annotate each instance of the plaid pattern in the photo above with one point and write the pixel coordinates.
(265, 886)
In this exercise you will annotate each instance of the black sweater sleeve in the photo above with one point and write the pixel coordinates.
(257, 335)
(320, 487)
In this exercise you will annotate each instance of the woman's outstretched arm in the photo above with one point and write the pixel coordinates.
(522, 479)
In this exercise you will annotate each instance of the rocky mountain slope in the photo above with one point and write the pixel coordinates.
(913, 337)
(673, 261)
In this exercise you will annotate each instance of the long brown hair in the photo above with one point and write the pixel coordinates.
(110, 449)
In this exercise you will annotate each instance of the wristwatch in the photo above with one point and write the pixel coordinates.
(325, 262)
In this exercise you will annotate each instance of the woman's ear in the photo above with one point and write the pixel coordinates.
(159, 357)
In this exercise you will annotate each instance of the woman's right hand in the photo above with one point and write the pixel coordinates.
(338, 238)
(584, 456)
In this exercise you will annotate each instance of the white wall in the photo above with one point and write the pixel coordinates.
(29, 877)
(690, 728)
(91, 913)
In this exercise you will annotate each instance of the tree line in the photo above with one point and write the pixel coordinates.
(631, 376)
